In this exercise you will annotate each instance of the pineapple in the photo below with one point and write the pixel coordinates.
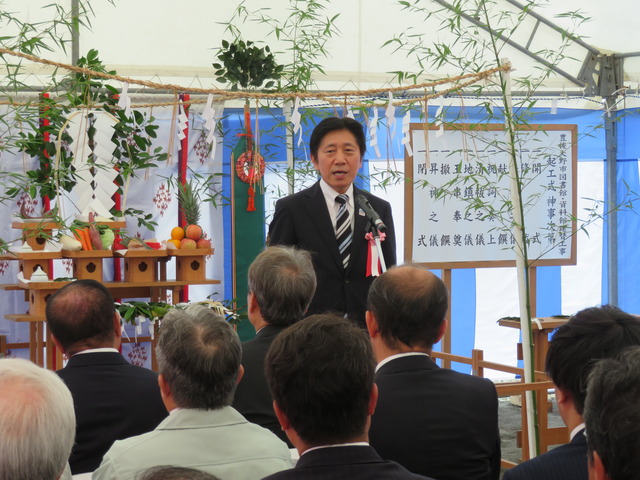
(190, 208)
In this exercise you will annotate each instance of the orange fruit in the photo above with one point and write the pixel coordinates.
(175, 242)
(177, 233)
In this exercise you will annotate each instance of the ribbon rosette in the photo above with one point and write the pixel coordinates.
(373, 259)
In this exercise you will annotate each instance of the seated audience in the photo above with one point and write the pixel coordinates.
(591, 334)
(37, 424)
(167, 472)
(281, 285)
(320, 372)
(199, 363)
(113, 399)
(612, 417)
(431, 420)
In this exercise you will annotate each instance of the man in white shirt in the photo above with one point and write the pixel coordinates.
(612, 416)
(326, 220)
(320, 372)
(112, 399)
(591, 334)
(431, 420)
(199, 364)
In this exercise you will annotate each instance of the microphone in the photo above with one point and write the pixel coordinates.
(372, 215)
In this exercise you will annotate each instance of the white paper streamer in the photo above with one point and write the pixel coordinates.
(124, 101)
(390, 113)
(183, 123)
(373, 132)
(296, 117)
(406, 132)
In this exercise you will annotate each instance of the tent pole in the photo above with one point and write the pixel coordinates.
(611, 138)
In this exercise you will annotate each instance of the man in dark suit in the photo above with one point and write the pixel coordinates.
(281, 285)
(591, 334)
(431, 420)
(320, 372)
(612, 416)
(112, 399)
(310, 219)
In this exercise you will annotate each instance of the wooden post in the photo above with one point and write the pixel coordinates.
(183, 157)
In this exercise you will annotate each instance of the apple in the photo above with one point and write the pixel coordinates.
(188, 244)
(203, 243)
(194, 232)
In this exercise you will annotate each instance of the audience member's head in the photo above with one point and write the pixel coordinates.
(320, 372)
(198, 356)
(282, 281)
(612, 416)
(82, 315)
(37, 422)
(407, 305)
(591, 334)
(168, 472)
(332, 124)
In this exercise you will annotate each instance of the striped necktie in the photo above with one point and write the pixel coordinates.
(343, 230)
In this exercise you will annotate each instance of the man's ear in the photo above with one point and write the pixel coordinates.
(252, 303)
(442, 330)
(372, 324)
(57, 343)
(117, 324)
(240, 374)
(373, 400)
(165, 390)
(596, 468)
(562, 396)
(282, 418)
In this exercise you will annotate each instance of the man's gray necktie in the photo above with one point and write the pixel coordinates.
(344, 234)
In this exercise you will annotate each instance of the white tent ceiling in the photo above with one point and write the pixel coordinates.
(175, 41)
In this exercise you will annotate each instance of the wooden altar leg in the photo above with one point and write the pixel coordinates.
(33, 344)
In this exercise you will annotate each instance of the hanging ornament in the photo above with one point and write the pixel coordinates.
(250, 165)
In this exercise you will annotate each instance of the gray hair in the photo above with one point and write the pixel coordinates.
(37, 422)
(198, 355)
(283, 281)
(169, 472)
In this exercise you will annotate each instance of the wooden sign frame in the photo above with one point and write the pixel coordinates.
(480, 129)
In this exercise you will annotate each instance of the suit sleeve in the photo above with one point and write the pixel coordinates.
(281, 229)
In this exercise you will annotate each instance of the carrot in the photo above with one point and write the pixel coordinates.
(87, 238)
(78, 234)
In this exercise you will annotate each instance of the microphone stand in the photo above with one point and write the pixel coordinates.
(376, 237)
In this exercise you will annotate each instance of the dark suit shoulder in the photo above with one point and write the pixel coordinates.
(565, 462)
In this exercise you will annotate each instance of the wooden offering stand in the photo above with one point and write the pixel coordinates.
(30, 261)
(141, 265)
(36, 233)
(191, 263)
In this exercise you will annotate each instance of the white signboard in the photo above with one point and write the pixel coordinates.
(459, 203)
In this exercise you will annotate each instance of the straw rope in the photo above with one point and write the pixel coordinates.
(332, 98)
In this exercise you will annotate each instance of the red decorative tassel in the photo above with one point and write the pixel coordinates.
(251, 203)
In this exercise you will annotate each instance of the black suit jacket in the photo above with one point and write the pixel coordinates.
(565, 462)
(253, 398)
(303, 220)
(345, 463)
(435, 421)
(113, 400)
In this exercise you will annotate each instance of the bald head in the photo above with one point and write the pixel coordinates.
(409, 304)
